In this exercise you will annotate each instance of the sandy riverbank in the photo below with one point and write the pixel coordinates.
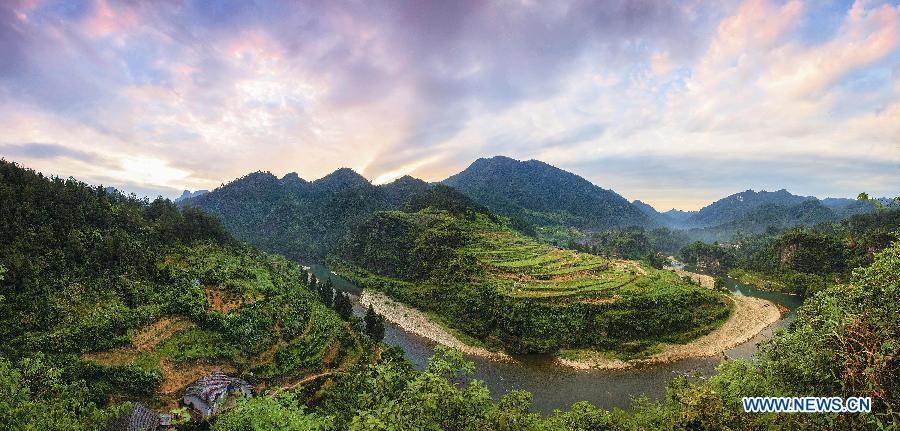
(416, 322)
(702, 279)
(751, 316)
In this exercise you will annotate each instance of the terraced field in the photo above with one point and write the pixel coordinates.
(512, 292)
(524, 268)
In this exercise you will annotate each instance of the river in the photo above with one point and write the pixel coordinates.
(556, 387)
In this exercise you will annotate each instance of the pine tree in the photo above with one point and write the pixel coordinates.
(326, 293)
(343, 306)
(374, 324)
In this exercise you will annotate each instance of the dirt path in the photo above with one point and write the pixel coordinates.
(750, 317)
(416, 322)
(301, 382)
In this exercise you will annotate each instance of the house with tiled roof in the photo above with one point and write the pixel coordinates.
(215, 392)
(140, 418)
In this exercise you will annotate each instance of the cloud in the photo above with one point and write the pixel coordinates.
(189, 94)
(38, 150)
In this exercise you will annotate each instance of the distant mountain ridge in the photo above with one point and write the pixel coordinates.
(754, 212)
(305, 220)
(298, 218)
(187, 194)
(542, 194)
(735, 206)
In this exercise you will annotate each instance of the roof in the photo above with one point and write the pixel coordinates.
(209, 388)
(139, 418)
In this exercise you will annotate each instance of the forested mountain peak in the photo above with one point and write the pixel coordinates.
(258, 176)
(253, 180)
(342, 178)
(544, 194)
(407, 180)
(293, 179)
(737, 205)
(448, 199)
(398, 191)
(297, 218)
(645, 207)
(678, 215)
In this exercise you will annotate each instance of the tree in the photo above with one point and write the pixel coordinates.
(326, 293)
(656, 260)
(343, 306)
(36, 396)
(283, 413)
(864, 197)
(719, 283)
(374, 324)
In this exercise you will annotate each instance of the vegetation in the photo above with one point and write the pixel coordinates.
(842, 344)
(544, 195)
(374, 324)
(298, 219)
(800, 260)
(134, 299)
(631, 243)
(510, 291)
(106, 298)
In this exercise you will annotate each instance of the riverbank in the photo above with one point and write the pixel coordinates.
(417, 322)
(750, 317)
(701, 279)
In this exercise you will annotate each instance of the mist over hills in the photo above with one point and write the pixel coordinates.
(305, 220)
(752, 212)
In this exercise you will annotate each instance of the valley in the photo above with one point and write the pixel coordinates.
(141, 298)
(513, 293)
(553, 383)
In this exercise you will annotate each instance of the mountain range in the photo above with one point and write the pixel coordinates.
(542, 194)
(305, 220)
(187, 194)
(297, 218)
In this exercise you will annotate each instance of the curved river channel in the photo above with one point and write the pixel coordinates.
(557, 387)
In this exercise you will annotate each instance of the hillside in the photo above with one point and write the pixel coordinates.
(751, 212)
(542, 194)
(769, 217)
(187, 194)
(801, 259)
(509, 291)
(733, 207)
(669, 218)
(296, 218)
(138, 298)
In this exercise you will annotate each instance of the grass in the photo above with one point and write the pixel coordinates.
(522, 267)
(758, 280)
(546, 298)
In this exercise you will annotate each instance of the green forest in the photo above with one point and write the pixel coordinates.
(512, 292)
(800, 260)
(108, 300)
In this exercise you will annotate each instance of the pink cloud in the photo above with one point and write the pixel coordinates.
(865, 37)
(107, 20)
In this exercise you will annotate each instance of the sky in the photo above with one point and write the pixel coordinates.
(675, 103)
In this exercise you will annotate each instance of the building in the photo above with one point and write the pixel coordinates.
(140, 418)
(215, 392)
